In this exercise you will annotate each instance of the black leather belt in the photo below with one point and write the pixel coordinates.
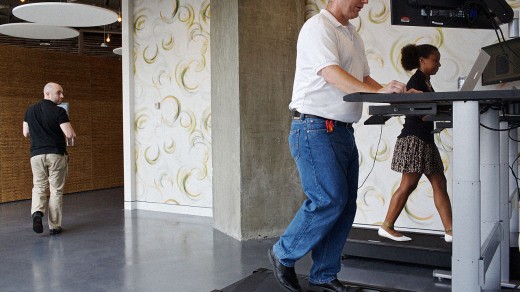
(296, 115)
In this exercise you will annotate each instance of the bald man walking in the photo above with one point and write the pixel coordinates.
(47, 125)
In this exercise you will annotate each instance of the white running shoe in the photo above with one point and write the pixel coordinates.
(384, 233)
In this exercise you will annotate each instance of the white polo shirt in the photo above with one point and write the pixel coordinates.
(324, 41)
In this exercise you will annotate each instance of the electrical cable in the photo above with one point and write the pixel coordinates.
(516, 287)
(375, 157)
(511, 125)
(495, 106)
(496, 130)
(501, 41)
(512, 139)
(440, 140)
(512, 169)
(515, 176)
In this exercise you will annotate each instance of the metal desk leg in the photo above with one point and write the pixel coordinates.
(513, 162)
(490, 201)
(504, 202)
(466, 197)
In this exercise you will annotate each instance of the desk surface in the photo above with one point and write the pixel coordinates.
(491, 96)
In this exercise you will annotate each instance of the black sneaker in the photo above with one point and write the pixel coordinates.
(284, 276)
(37, 222)
(56, 231)
(332, 286)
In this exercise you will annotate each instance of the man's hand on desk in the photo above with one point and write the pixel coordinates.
(393, 87)
(413, 91)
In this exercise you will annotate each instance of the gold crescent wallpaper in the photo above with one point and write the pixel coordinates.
(173, 102)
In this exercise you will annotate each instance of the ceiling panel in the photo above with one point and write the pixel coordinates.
(89, 42)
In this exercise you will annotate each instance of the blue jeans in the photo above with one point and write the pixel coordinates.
(329, 170)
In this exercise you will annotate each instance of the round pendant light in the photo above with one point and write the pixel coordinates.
(38, 31)
(118, 51)
(65, 14)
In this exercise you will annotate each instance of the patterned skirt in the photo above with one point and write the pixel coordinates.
(413, 155)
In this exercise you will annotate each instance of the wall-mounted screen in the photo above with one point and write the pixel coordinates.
(504, 65)
(65, 105)
(450, 13)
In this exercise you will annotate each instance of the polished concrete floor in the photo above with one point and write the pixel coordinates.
(105, 248)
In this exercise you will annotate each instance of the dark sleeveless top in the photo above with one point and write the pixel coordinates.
(414, 125)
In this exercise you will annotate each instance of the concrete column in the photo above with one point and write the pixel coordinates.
(256, 188)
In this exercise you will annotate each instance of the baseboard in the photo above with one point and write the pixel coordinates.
(169, 208)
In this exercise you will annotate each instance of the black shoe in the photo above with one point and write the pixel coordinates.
(285, 276)
(56, 231)
(332, 286)
(37, 222)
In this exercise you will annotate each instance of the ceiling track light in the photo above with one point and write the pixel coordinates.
(119, 14)
(106, 39)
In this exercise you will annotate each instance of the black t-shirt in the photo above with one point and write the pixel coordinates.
(414, 125)
(44, 119)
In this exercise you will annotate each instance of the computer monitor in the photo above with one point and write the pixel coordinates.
(504, 65)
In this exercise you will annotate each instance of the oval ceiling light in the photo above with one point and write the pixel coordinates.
(65, 14)
(118, 51)
(38, 31)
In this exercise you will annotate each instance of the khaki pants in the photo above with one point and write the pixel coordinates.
(49, 172)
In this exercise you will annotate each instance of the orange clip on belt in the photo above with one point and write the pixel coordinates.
(329, 124)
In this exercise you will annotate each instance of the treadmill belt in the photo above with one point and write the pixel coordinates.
(262, 280)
